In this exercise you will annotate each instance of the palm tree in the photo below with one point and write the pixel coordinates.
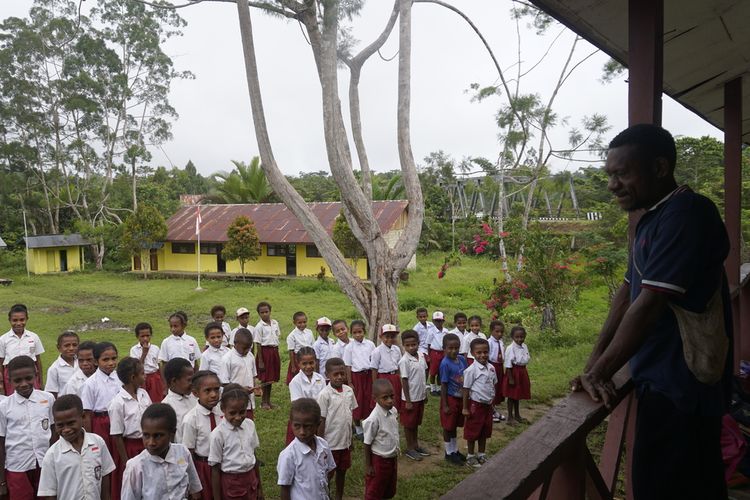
(244, 184)
(392, 190)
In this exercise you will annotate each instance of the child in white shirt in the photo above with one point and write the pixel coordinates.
(475, 325)
(412, 369)
(179, 344)
(232, 449)
(357, 359)
(86, 368)
(65, 365)
(148, 354)
(381, 443)
(268, 363)
(298, 338)
(19, 341)
(306, 384)
(238, 367)
(179, 375)
(478, 396)
(341, 332)
(423, 329)
(214, 353)
(384, 361)
(218, 313)
(323, 345)
(435, 349)
(243, 318)
(99, 390)
(460, 321)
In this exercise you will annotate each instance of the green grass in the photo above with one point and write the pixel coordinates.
(79, 302)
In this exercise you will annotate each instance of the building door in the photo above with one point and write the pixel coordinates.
(291, 260)
(153, 259)
(63, 260)
(136, 262)
(221, 264)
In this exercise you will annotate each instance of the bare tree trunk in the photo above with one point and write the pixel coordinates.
(549, 318)
(135, 194)
(547, 202)
(560, 203)
(573, 197)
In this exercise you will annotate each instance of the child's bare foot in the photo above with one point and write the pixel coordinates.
(523, 420)
(511, 421)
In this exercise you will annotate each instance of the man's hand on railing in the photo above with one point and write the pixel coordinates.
(600, 390)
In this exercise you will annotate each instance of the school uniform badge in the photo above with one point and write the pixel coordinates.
(191, 356)
(98, 472)
(45, 424)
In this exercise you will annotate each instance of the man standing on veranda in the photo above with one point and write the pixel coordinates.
(675, 270)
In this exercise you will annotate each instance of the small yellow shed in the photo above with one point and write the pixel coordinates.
(55, 253)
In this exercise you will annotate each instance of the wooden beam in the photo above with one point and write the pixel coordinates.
(645, 60)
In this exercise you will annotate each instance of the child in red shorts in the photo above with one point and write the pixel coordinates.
(268, 364)
(435, 350)
(412, 368)
(381, 444)
(497, 351)
(451, 385)
(478, 395)
(337, 402)
(384, 361)
(357, 359)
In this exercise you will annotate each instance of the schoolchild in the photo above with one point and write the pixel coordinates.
(478, 395)
(516, 383)
(179, 375)
(86, 368)
(460, 321)
(381, 443)
(18, 341)
(125, 412)
(238, 366)
(497, 351)
(412, 369)
(423, 329)
(306, 384)
(298, 338)
(267, 360)
(99, 390)
(218, 313)
(357, 359)
(234, 471)
(435, 340)
(60, 371)
(341, 332)
(474, 332)
(304, 464)
(200, 422)
(384, 361)
(78, 465)
(148, 354)
(216, 350)
(179, 344)
(336, 403)
(164, 470)
(323, 345)
(243, 318)
(26, 424)
(451, 386)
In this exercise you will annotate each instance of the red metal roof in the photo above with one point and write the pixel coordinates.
(273, 221)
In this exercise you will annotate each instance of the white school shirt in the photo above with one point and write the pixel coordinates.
(357, 355)
(517, 355)
(413, 368)
(149, 477)
(184, 347)
(58, 374)
(211, 358)
(480, 380)
(125, 413)
(306, 470)
(466, 347)
(381, 431)
(267, 334)
(435, 338)
(424, 334)
(234, 332)
(227, 334)
(338, 349)
(70, 474)
(497, 349)
(236, 369)
(12, 346)
(385, 359)
(297, 339)
(323, 352)
(234, 447)
(181, 406)
(26, 424)
(196, 428)
(151, 362)
(460, 336)
(99, 390)
(302, 387)
(336, 407)
(75, 384)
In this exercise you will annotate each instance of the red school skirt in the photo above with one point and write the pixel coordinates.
(395, 379)
(499, 386)
(435, 358)
(522, 387)
(240, 485)
(154, 386)
(272, 362)
(383, 482)
(204, 474)
(289, 432)
(478, 423)
(362, 382)
(100, 427)
(342, 459)
(23, 485)
(132, 448)
(291, 371)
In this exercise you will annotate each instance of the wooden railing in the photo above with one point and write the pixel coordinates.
(551, 459)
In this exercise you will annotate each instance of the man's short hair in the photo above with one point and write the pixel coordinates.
(651, 141)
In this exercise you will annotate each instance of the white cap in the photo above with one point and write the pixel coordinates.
(438, 315)
(323, 321)
(389, 329)
(241, 311)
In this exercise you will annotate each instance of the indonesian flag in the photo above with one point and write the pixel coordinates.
(198, 220)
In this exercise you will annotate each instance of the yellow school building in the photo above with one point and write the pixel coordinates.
(286, 248)
(55, 253)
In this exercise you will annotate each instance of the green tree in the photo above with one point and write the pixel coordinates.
(244, 184)
(141, 230)
(243, 243)
(345, 240)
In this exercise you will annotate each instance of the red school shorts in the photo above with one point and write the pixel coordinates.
(100, 427)
(343, 460)
(479, 422)
(272, 364)
(455, 418)
(23, 485)
(383, 482)
(411, 419)
(240, 485)
(154, 386)
(203, 469)
(362, 385)
(291, 371)
(435, 358)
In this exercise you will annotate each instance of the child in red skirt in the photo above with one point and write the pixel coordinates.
(125, 412)
(234, 472)
(384, 361)
(435, 350)
(25, 413)
(451, 386)
(412, 369)
(18, 341)
(298, 338)
(357, 360)
(478, 395)
(63, 368)
(337, 402)
(200, 422)
(306, 384)
(381, 444)
(497, 351)
(99, 390)
(148, 354)
(516, 383)
(268, 364)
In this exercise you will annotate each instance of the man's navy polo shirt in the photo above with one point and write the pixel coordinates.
(680, 247)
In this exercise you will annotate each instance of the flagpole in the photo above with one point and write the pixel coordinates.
(198, 232)
(26, 243)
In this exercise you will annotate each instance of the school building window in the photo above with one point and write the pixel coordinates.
(183, 247)
(276, 250)
(209, 248)
(312, 251)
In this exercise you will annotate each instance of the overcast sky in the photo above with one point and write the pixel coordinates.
(215, 125)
